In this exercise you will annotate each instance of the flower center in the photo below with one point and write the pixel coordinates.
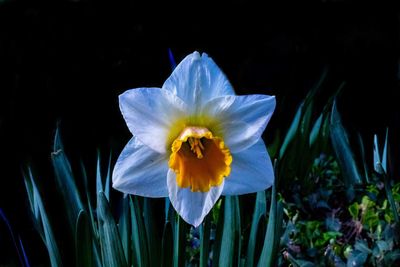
(199, 159)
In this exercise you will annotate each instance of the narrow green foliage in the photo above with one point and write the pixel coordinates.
(390, 198)
(362, 152)
(180, 243)
(111, 247)
(83, 241)
(380, 165)
(167, 252)
(316, 129)
(41, 220)
(205, 230)
(124, 227)
(140, 254)
(377, 156)
(341, 146)
(89, 202)
(385, 152)
(273, 234)
(259, 215)
(153, 241)
(323, 227)
(230, 244)
(291, 133)
(65, 180)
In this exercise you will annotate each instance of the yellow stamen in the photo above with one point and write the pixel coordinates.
(199, 159)
(196, 146)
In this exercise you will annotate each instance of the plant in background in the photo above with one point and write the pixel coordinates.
(327, 212)
(137, 234)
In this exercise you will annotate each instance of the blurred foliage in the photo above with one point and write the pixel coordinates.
(329, 207)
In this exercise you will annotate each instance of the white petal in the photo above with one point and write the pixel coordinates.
(198, 79)
(192, 206)
(252, 171)
(149, 113)
(243, 118)
(140, 171)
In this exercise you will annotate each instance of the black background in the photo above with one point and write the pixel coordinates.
(68, 61)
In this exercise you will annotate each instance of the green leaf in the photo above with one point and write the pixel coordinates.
(153, 240)
(391, 257)
(357, 258)
(41, 220)
(292, 131)
(354, 209)
(205, 230)
(362, 246)
(180, 242)
(293, 162)
(230, 244)
(260, 210)
(332, 224)
(377, 157)
(95, 230)
(384, 153)
(299, 263)
(382, 245)
(362, 153)
(139, 241)
(124, 228)
(273, 234)
(389, 196)
(83, 241)
(108, 179)
(111, 247)
(315, 131)
(342, 149)
(218, 213)
(167, 246)
(99, 177)
(66, 183)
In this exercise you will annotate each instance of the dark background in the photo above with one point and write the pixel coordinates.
(68, 61)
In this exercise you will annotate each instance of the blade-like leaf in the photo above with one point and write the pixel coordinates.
(292, 131)
(218, 232)
(180, 242)
(230, 244)
(89, 202)
(83, 241)
(42, 220)
(66, 183)
(153, 240)
(389, 194)
(273, 234)
(377, 157)
(260, 210)
(362, 153)
(384, 153)
(108, 179)
(205, 230)
(342, 149)
(99, 177)
(167, 252)
(111, 247)
(315, 130)
(124, 228)
(139, 241)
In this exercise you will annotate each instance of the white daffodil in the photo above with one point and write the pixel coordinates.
(194, 140)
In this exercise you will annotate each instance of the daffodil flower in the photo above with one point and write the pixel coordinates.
(194, 140)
